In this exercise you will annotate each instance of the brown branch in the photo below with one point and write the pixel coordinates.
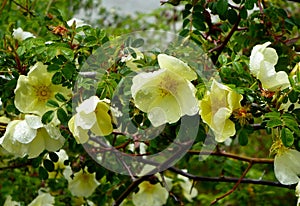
(230, 179)
(221, 47)
(14, 166)
(253, 160)
(23, 7)
(235, 186)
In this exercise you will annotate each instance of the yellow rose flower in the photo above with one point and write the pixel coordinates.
(166, 94)
(262, 66)
(21, 35)
(287, 166)
(44, 199)
(30, 137)
(297, 193)
(186, 186)
(151, 194)
(92, 114)
(35, 89)
(10, 202)
(216, 107)
(82, 184)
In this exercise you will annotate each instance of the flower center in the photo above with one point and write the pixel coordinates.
(168, 85)
(43, 93)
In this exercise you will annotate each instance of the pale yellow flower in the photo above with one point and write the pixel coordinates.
(151, 194)
(10, 202)
(216, 107)
(82, 183)
(21, 35)
(166, 94)
(262, 66)
(78, 22)
(35, 89)
(287, 166)
(43, 199)
(92, 114)
(189, 192)
(30, 137)
(297, 193)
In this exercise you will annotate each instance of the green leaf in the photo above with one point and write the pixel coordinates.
(222, 59)
(53, 156)
(292, 124)
(62, 115)
(53, 67)
(243, 137)
(293, 96)
(43, 174)
(274, 123)
(36, 162)
(243, 13)
(184, 32)
(90, 41)
(60, 97)
(287, 137)
(49, 165)
(222, 6)
(185, 23)
(57, 78)
(52, 103)
(232, 16)
(249, 4)
(273, 114)
(68, 53)
(138, 43)
(68, 70)
(198, 21)
(47, 117)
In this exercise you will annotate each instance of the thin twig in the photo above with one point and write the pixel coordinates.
(235, 186)
(221, 47)
(230, 179)
(130, 188)
(254, 160)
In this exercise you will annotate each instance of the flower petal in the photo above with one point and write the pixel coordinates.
(89, 105)
(33, 121)
(287, 167)
(279, 81)
(23, 133)
(103, 124)
(177, 66)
